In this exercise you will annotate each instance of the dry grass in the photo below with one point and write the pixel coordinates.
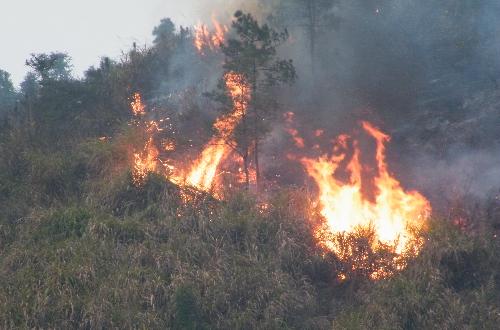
(93, 251)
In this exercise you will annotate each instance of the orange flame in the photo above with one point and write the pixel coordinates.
(168, 145)
(206, 39)
(138, 108)
(289, 120)
(394, 214)
(203, 173)
(145, 162)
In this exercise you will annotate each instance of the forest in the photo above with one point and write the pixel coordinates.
(298, 164)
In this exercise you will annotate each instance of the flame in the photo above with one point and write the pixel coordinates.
(220, 32)
(202, 174)
(289, 120)
(206, 39)
(138, 108)
(394, 215)
(145, 162)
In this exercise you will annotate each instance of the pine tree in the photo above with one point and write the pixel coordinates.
(252, 54)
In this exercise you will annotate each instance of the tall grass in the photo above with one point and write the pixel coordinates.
(82, 247)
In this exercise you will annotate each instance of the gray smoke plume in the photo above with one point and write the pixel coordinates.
(426, 71)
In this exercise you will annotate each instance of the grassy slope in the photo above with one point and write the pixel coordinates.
(81, 247)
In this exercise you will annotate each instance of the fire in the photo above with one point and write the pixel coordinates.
(298, 140)
(394, 215)
(138, 108)
(168, 145)
(145, 162)
(352, 198)
(206, 39)
(202, 174)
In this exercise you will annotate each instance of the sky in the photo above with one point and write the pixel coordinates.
(85, 29)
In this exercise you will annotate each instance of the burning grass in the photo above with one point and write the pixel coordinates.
(205, 172)
(110, 246)
(372, 235)
(369, 209)
(227, 265)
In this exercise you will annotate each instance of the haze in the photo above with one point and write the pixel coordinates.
(86, 30)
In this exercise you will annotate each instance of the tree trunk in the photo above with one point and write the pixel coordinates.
(31, 123)
(257, 167)
(256, 127)
(245, 169)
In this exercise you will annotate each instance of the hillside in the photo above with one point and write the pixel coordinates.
(328, 168)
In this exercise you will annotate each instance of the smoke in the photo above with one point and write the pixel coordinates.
(425, 71)
(203, 10)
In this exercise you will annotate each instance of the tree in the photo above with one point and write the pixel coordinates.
(53, 66)
(8, 94)
(29, 91)
(251, 53)
(313, 16)
(164, 32)
(29, 86)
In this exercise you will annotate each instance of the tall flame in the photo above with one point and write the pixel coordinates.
(394, 215)
(138, 108)
(203, 173)
(146, 160)
(206, 39)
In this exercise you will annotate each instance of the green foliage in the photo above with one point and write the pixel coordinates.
(252, 54)
(8, 95)
(165, 32)
(29, 85)
(152, 199)
(53, 66)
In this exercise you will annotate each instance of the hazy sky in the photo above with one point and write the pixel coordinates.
(85, 29)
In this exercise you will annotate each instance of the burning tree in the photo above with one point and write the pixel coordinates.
(251, 53)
